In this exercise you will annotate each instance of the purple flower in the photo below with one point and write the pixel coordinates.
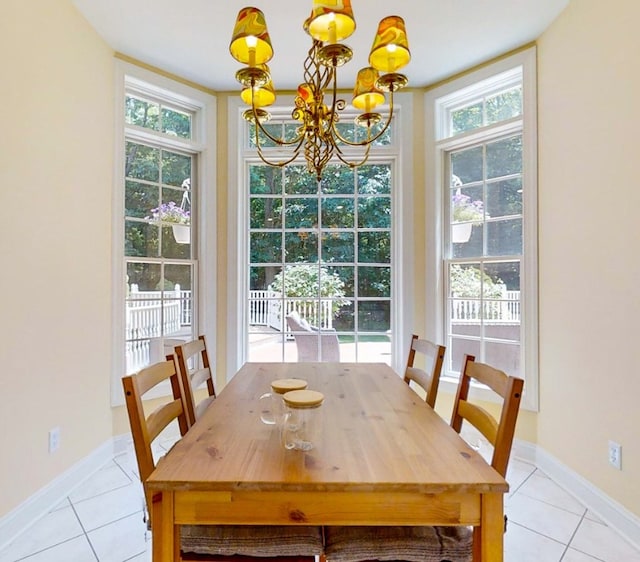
(170, 212)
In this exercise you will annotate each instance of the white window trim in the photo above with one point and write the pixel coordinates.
(402, 204)
(434, 202)
(204, 136)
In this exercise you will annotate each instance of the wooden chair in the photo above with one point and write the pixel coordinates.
(196, 377)
(219, 543)
(439, 544)
(429, 378)
(313, 344)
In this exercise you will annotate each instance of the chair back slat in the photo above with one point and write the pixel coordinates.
(195, 377)
(499, 433)
(429, 378)
(482, 420)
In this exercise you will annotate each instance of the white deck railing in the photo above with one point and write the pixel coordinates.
(150, 316)
(505, 310)
(266, 306)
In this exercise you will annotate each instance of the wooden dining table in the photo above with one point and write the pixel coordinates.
(383, 457)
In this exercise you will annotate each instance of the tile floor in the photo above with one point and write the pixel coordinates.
(102, 521)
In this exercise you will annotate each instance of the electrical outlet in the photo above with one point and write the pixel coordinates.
(615, 455)
(54, 439)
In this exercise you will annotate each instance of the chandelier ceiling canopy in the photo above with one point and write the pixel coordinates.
(317, 106)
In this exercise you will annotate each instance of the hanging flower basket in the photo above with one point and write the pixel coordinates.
(461, 232)
(179, 218)
(181, 233)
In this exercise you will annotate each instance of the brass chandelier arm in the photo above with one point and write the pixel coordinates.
(352, 164)
(279, 141)
(279, 164)
(369, 140)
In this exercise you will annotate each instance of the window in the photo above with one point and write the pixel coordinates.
(330, 252)
(161, 178)
(482, 153)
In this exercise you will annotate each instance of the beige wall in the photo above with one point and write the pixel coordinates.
(589, 116)
(56, 154)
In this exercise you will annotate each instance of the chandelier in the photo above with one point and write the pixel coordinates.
(317, 105)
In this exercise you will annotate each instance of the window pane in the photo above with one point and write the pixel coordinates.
(504, 356)
(504, 237)
(301, 213)
(337, 212)
(374, 247)
(265, 212)
(374, 212)
(504, 198)
(465, 280)
(139, 199)
(301, 247)
(141, 239)
(265, 180)
(346, 275)
(297, 180)
(260, 278)
(338, 180)
(466, 118)
(374, 281)
(504, 106)
(374, 316)
(142, 162)
(344, 320)
(266, 247)
(374, 179)
(338, 247)
(141, 113)
(459, 347)
(176, 168)
(466, 166)
(504, 157)
(177, 123)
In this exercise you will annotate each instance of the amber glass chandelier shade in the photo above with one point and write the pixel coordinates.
(390, 50)
(330, 21)
(365, 94)
(250, 43)
(262, 96)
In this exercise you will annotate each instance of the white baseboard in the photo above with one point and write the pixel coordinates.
(44, 500)
(611, 512)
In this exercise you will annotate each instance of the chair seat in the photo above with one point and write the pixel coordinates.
(252, 540)
(412, 544)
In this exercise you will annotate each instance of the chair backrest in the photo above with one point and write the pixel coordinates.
(145, 428)
(498, 432)
(195, 352)
(429, 377)
(313, 344)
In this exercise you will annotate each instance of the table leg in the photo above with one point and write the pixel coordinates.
(165, 536)
(488, 539)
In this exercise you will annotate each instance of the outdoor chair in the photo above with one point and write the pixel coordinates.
(241, 543)
(429, 377)
(439, 544)
(195, 372)
(313, 344)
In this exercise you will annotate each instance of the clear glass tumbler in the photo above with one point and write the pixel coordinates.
(272, 409)
(302, 423)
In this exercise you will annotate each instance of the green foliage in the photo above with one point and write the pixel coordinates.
(471, 282)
